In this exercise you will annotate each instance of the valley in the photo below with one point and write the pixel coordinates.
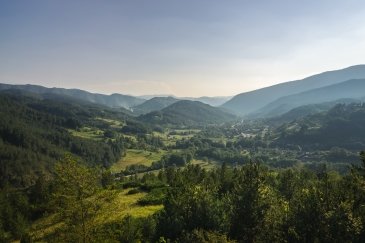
(182, 121)
(165, 168)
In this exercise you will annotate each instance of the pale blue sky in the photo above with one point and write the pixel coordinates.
(180, 47)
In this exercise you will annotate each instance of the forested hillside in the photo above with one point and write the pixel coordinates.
(306, 110)
(35, 133)
(341, 126)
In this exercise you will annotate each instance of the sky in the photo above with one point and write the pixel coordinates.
(178, 47)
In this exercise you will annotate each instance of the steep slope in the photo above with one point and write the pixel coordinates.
(154, 104)
(187, 112)
(351, 89)
(249, 102)
(114, 100)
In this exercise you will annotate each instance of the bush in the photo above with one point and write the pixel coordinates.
(133, 191)
(203, 236)
(155, 197)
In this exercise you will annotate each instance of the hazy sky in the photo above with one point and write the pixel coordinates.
(180, 47)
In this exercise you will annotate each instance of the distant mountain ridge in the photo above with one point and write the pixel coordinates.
(351, 89)
(113, 100)
(265, 102)
(249, 102)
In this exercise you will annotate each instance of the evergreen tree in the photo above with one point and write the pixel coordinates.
(75, 197)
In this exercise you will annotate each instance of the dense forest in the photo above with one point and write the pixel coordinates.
(74, 171)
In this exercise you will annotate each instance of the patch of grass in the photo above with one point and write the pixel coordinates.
(112, 123)
(44, 227)
(155, 172)
(88, 133)
(192, 131)
(125, 204)
(121, 204)
(170, 137)
(131, 137)
(135, 156)
(208, 165)
(155, 197)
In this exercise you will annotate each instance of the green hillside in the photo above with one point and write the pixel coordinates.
(306, 110)
(35, 133)
(185, 113)
(341, 126)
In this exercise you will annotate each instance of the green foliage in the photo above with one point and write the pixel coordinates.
(154, 197)
(202, 236)
(246, 204)
(14, 214)
(251, 202)
(129, 230)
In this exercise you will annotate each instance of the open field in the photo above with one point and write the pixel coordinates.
(87, 132)
(112, 123)
(208, 165)
(135, 156)
(123, 205)
(170, 137)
